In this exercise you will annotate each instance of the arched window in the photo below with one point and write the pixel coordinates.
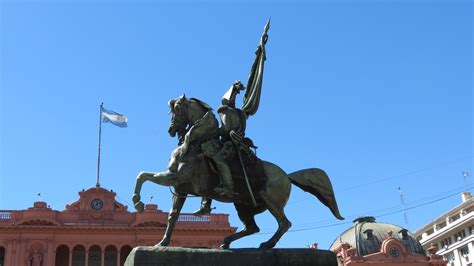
(95, 256)
(62, 256)
(79, 256)
(124, 251)
(110, 256)
(2, 256)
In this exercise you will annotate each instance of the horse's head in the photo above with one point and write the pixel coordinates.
(179, 115)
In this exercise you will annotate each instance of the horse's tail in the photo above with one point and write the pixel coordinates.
(316, 182)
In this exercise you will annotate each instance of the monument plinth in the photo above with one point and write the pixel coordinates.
(177, 256)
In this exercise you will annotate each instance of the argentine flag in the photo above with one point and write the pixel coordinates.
(113, 117)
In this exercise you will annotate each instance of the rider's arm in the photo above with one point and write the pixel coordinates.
(192, 133)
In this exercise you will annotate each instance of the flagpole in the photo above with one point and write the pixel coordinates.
(98, 152)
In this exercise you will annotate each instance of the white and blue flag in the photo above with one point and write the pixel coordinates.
(113, 117)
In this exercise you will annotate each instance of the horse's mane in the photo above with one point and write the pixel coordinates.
(201, 103)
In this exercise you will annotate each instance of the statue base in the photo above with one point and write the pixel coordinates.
(171, 256)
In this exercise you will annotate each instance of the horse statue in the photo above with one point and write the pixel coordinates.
(191, 172)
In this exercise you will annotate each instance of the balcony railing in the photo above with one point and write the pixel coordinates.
(5, 216)
(192, 218)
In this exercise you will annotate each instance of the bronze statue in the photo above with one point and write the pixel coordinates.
(218, 163)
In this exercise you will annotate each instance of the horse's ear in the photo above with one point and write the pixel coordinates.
(184, 96)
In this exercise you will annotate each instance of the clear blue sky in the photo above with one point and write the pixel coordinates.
(377, 93)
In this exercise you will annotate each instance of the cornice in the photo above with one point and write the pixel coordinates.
(43, 229)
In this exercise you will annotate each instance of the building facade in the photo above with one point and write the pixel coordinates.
(370, 243)
(96, 230)
(452, 233)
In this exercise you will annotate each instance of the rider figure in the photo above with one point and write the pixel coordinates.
(233, 122)
(232, 131)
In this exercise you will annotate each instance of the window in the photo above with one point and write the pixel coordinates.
(459, 235)
(62, 255)
(110, 256)
(449, 257)
(404, 234)
(79, 256)
(124, 251)
(2, 256)
(446, 242)
(369, 233)
(455, 217)
(464, 251)
(429, 232)
(469, 230)
(470, 209)
(95, 256)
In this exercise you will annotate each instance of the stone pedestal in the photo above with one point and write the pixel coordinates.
(171, 256)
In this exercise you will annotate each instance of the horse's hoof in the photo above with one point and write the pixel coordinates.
(159, 245)
(202, 211)
(224, 246)
(139, 206)
(135, 198)
(266, 245)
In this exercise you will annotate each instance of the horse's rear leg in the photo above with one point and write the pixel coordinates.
(178, 202)
(164, 178)
(250, 227)
(283, 223)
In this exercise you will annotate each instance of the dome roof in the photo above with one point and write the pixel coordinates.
(367, 236)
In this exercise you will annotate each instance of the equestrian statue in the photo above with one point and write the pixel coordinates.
(218, 162)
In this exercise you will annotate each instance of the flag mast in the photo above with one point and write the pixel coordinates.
(98, 152)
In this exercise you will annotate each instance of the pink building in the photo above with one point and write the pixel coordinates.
(96, 230)
(370, 243)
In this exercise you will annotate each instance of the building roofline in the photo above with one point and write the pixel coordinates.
(443, 216)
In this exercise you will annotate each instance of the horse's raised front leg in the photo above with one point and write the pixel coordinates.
(178, 202)
(164, 178)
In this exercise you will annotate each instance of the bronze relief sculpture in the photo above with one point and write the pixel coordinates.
(219, 162)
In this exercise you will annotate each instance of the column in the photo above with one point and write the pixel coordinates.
(51, 251)
(70, 255)
(102, 258)
(21, 253)
(87, 257)
(8, 253)
(457, 257)
(118, 257)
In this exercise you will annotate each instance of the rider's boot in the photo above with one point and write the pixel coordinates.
(228, 186)
(205, 207)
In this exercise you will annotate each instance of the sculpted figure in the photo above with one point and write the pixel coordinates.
(34, 259)
(234, 120)
(232, 136)
(218, 163)
(231, 132)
